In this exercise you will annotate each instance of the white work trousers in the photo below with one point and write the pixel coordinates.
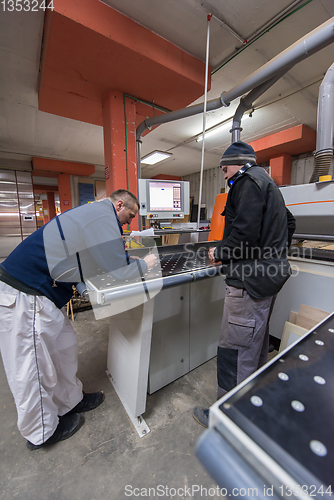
(39, 351)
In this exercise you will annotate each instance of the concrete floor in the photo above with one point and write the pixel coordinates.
(106, 459)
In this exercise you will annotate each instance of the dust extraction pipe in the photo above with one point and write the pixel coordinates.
(303, 48)
(325, 127)
(247, 103)
(300, 50)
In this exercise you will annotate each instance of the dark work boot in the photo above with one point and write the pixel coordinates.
(201, 415)
(67, 426)
(88, 402)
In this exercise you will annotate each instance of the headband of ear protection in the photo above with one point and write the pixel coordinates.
(238, 174)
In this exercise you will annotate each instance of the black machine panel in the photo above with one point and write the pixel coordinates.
(181, 262)
(177, 264)
(288, 408)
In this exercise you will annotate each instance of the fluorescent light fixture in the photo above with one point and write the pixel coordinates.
(155, 157)
(218, 128)
(209, 133)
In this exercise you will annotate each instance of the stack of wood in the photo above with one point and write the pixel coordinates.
(299, 323)
(76, 304)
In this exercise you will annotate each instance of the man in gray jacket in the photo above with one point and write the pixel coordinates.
(38, 344)
(258, 231)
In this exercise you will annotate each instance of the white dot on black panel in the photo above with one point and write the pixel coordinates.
(256, 401)
(303, 357)
(283, 376)
(297, 406)
(319, 380)
(318, 448)
(319, 342)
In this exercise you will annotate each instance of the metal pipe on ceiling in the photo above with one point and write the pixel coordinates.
(303, 48)
(177, 115)
(300, 50)
(306, 46)
(247, 103)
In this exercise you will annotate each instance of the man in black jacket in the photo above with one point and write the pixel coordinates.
(258, 231)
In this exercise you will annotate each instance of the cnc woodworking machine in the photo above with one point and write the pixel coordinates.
(166, 322)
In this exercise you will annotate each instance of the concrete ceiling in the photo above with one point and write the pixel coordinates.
(26, 132)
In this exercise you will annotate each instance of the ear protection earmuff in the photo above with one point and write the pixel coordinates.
(238, 174)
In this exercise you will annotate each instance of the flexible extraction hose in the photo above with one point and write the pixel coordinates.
(325, 127)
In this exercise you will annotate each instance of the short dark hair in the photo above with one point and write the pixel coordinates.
(126, 196)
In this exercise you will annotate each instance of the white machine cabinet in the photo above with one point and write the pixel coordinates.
(163, 337)
(185, 332)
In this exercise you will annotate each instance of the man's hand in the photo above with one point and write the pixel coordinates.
(211, 254)
(150, 260)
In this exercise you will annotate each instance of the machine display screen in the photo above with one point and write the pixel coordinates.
(165, 196)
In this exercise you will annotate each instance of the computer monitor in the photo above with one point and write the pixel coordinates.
(163, 199)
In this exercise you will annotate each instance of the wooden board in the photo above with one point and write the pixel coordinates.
(293, 317)
(316, 315)
(290, 333)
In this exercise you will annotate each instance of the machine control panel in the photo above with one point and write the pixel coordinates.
(156, 216)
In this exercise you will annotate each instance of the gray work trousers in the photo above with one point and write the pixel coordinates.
(244, 337)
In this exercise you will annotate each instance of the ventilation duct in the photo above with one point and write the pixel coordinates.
(325, 127)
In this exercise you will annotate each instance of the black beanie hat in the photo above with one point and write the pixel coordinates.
(238, 153)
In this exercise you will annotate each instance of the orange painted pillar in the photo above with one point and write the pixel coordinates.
(51, 204)
(281, 169)
(46, 216)
(114, 142)
(131, 146)
(64, 189)
(49, 208)
(132, 154)
(119, 154)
